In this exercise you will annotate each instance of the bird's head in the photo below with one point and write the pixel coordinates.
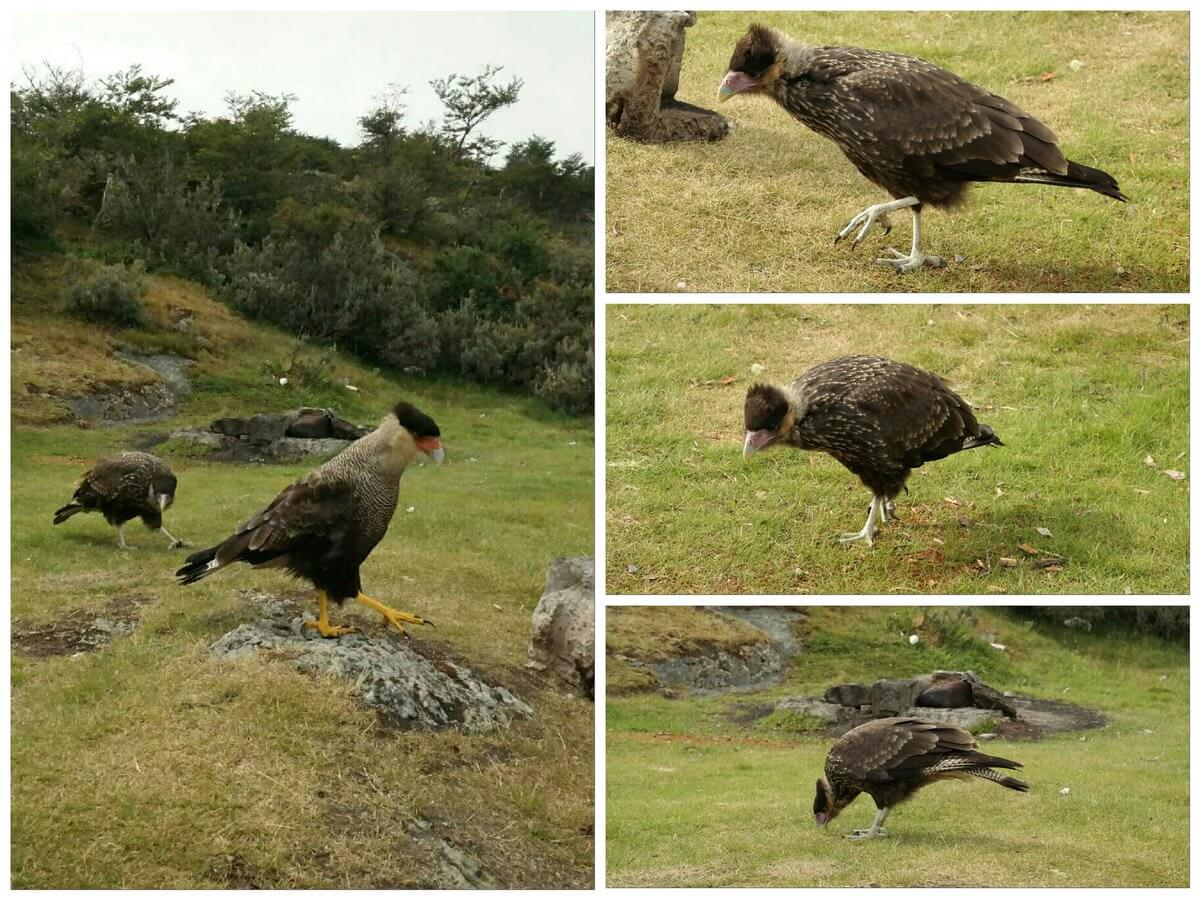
(756, 63)
(826, 805)
(162, 490)
(417, 430)
(769, 417)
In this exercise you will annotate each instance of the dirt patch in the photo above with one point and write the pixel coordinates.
(1037, 718)
(80, 631)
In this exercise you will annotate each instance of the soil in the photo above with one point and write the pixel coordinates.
(80, 631)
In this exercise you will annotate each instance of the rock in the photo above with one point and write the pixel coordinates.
(643, 59)
(893, 697)
(203, 438)
(291, 448)
(946, 695)
(849, 694)
(966, 717)
(230, 426)
(409, 691)
(810, 706)
(987, 697)
(563, 637)
(309, 424)
(266, 426)
(146, 403)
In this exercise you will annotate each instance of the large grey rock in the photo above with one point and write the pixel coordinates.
(966, 717)
(563, 635)
(810, 706)
(643, 58)
(849, 695)
(893, 697)
(408, 690)
(292, 448)
(948, 694)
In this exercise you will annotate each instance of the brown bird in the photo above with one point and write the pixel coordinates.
(123, 487)
(921, 133)
(879, 418)
(892, 759)
(323, 527)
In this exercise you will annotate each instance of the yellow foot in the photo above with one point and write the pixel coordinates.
(327, 630)
(393, 617)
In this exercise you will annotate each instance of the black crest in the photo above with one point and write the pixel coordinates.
(766, 406)
(755, 52)
(417, 423)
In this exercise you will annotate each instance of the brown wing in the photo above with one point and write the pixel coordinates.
(315, 508)
(884, 748)
(124, 477)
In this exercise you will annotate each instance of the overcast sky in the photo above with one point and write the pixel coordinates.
(337, 63)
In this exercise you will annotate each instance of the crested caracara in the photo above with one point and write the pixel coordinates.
(892, 759)
(919, 132)
(879, 418)
(322, 527)
(124, 487)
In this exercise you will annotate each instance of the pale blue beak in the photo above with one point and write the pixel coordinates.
(734, 83)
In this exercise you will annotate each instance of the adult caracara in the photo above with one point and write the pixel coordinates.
(892, 759)
(879, 418)
(919, 132)
(124, 487)
(322, 527)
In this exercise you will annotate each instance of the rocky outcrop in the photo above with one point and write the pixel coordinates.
(563, 638)
(275, 437)
(643, 59)
(409, 690)
(141, 403)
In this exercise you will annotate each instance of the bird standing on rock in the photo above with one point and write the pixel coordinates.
(892, 759)
(123, 487)
(323, 527)
(921, 133)
(879, 418)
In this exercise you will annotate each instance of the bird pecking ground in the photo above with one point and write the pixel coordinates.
(697, 796)
(1088, 495)
(146, 764)
(758, 210)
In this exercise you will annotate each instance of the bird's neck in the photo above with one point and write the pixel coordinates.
(390, 447)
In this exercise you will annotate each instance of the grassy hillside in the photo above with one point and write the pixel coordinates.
(1081, 396)
(758, 210)
(700, 797)
(148, 765)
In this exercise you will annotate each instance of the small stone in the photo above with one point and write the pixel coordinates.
(633, 570)
(283, 382)
(914, 639)
(1065, 791)
(757, 369)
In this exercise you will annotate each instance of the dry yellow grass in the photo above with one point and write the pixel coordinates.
(758, 210)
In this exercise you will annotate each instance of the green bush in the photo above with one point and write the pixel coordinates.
(1167, 622)
(110, 295)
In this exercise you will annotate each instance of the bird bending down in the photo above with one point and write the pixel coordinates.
(323, 527)
(892, 759)
(879, 418)
(123, 487)
(921, 133)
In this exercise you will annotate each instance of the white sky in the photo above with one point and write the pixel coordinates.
(337, 63)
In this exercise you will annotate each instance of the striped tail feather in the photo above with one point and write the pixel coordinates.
(1013, 784)
(199, 564)
(61, 515)
(1078, 176)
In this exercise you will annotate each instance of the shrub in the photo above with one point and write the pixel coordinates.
(1167, 622)
(110, 295)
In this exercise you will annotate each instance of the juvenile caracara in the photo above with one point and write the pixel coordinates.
(892, 759)
(879, 418)
(322, 527)
(919, 132)
(124, 487)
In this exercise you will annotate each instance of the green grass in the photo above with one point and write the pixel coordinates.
(758, 210)
(148, 765)
(1080, 395)
(697, 800)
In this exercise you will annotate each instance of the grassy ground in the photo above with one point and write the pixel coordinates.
(758, 210)
(696, 799)
(1080, 394)
(149, 765)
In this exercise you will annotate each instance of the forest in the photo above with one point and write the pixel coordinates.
(428, 249)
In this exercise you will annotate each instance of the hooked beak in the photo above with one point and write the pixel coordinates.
(821, 819)
(432, 447)
(734, 83)
(755, 441)
(164, 500)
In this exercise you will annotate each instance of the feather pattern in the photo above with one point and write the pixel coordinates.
(123, 487)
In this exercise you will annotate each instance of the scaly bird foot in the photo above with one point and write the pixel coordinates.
(851, 536)
(860, 834)
(393, 617)
(867, 219)
(179, 544)
(905, 263)
(326, 629)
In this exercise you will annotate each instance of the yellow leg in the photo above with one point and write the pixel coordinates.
(393, 617)
(322, 623)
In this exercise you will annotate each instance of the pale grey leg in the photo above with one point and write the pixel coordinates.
(917, 258)
(876, 827)
(868, 531)
(867, 219)
(121, 545)
(173, 543)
